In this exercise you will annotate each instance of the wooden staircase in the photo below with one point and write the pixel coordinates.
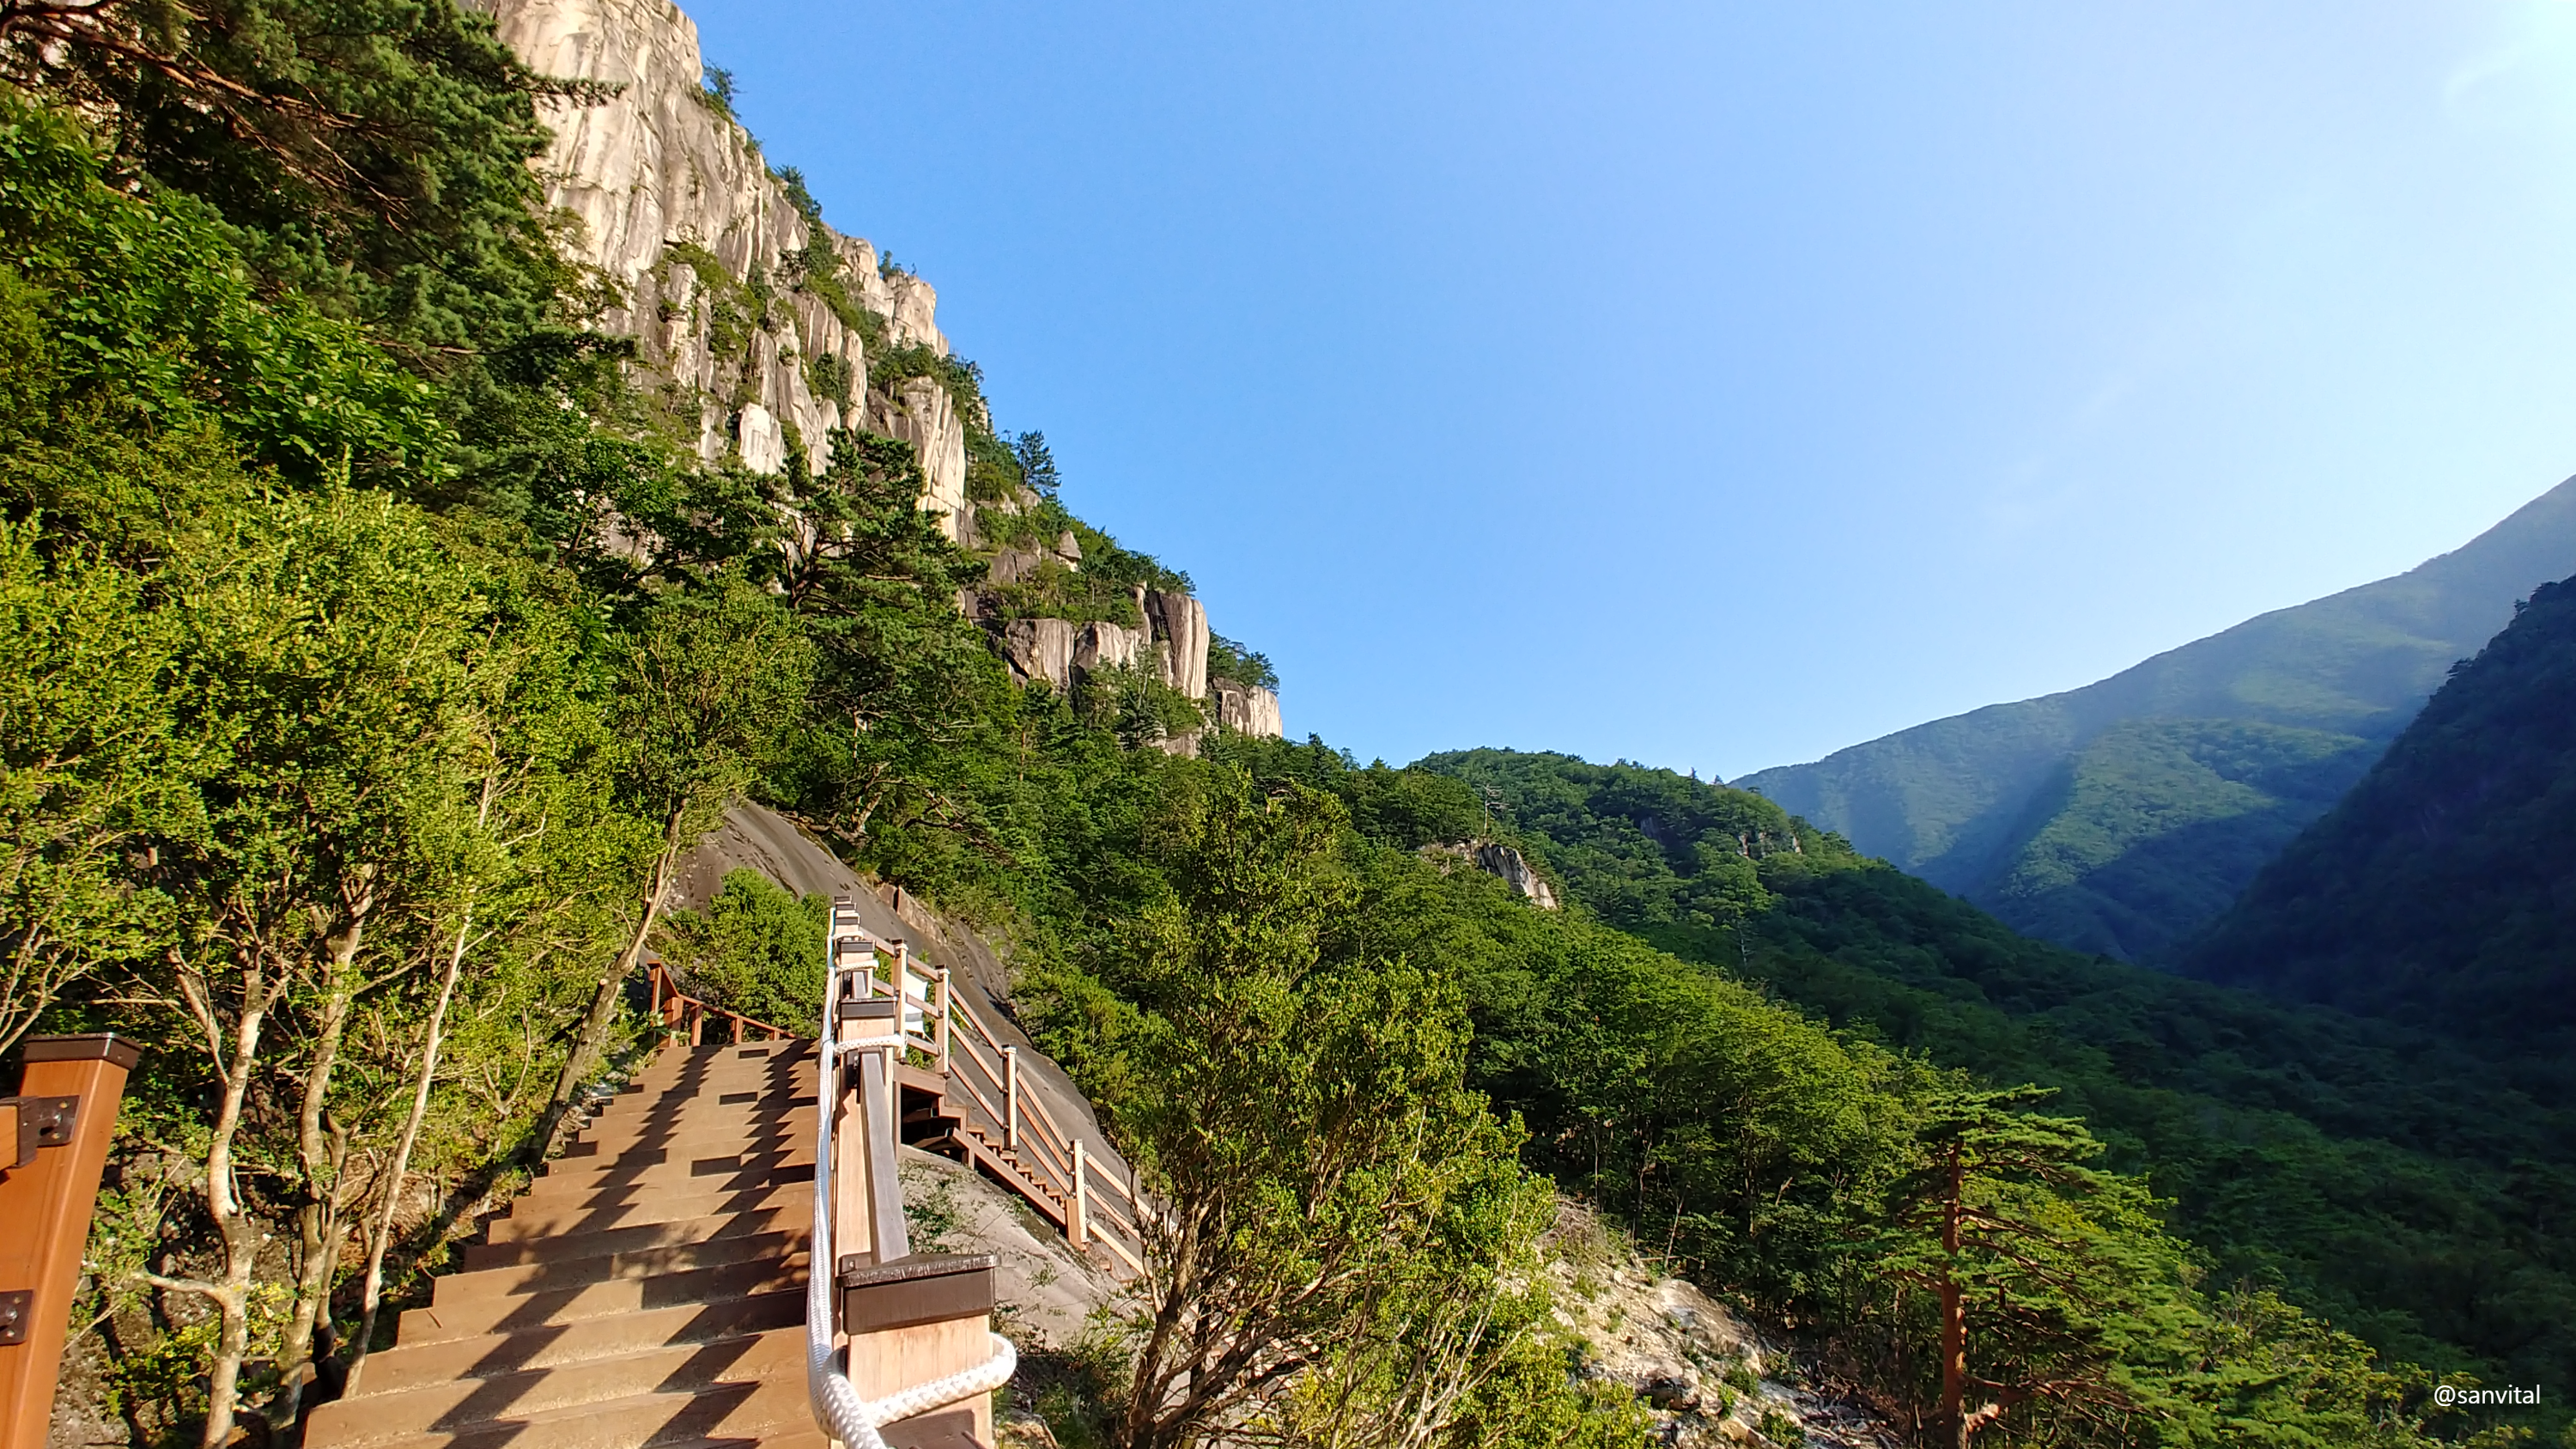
(647, 1290)
(651, 1289)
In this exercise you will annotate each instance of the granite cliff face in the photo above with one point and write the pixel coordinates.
(1173, 643)
(713, 264)
(666, 189)
(1248, 709)
(1495, 859)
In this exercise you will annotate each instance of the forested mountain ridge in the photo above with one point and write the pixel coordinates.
(2362, 1165)
(2442, 890)
(2120, 817)
(389, 638)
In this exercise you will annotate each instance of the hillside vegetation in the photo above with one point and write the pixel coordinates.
(2382, 1175)
(380, 654)
(2438, 891)
(2121, 817)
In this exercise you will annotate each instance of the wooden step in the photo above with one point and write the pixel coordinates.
(411, 1365)
(622, 1207)
(672, 1369)
(686, 1170)
(689, 1066)
(475, 1317)
(728, 1093)
(532, 1279)
(750, 1412)
(744, 1087)
(703, 1135)
(635, 1237)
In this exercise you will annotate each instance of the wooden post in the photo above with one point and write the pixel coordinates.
(697, 1025)
(941, 1028)
(45, 1204)
(1077, 1219)
(1011, 1098)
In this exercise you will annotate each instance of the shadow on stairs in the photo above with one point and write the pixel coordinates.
(648, 1290)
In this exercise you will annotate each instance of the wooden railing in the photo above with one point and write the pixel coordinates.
(891, 1336)
(1056, 1171)
(53, 1150)
(680, 1013)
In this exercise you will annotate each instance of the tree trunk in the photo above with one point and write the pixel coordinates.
(1954, 1317)
(241, 1236)
(593, 1036)
(381, 1236)
(320, 1154)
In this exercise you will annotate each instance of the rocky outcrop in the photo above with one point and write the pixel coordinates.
(1060, 651)
(1497, 859)
(1039, 649)
(921, 413)
(1107, 645)
(1248, 709)
(1709, 1380)
(1180, 629)
(664, 187)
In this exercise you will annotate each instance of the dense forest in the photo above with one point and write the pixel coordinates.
(2436, 892)
(2387, 1175)
(353, 738)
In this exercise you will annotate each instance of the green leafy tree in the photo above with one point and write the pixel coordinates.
(710, 682)
(756, 949)
(373, 153)
(93, 766)
(1337, 1217)
(320, 667)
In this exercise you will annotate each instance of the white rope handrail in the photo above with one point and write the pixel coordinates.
(838, 1409)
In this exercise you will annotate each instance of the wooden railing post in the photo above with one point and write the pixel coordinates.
(940, 1026)
(1011, 1098)
(1077, 1210)
(64, 1112)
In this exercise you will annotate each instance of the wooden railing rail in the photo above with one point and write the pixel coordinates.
(53, 1150)
(1058, 1172)
(891, 1336)
(678, 1011)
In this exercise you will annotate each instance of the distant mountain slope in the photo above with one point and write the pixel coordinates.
(2442, 890)
(2122, 816)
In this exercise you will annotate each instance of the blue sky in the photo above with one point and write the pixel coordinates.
(1718, 385)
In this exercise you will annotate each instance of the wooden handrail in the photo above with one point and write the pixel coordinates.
(1054, 1168)
(676, 1008)
(977, 1022)
(889, 1335)
(53, 1150)
(991, 1112)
